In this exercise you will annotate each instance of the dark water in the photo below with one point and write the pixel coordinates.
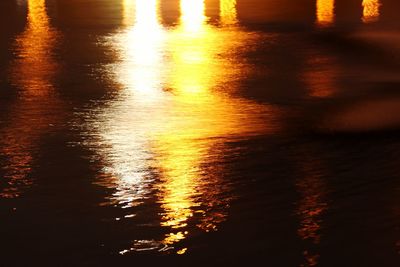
(191, 132)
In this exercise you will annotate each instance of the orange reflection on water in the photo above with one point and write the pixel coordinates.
(311, 207)
(203, 111)
(164, 131)
(321, 75)
(325, 12)
(35, 67)
(371, 10)
(228, 13)
(32, 73)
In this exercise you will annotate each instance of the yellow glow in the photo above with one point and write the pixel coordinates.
(150, 138)
(180, 156)
(128, 16)
(371, 11)
(181, 251)
(228, 13)
(200, 114)
(34, 45)
(325, 12)
(32, 73)
(173, 238)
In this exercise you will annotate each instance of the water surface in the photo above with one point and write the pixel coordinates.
(199, 131)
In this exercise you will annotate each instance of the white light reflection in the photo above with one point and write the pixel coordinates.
(192, 15)
(141, 50)
(127, 120)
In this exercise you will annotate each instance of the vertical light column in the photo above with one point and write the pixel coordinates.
(371, 10)
(180, 156)
(325, 13)
(32, 73)
(121, 130)
(200, 114)
(312, 205)
(228, 12)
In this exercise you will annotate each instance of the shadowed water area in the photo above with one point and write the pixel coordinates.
(199, 132)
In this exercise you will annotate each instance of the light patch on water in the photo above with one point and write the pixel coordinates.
(163, 133)
(37, 110)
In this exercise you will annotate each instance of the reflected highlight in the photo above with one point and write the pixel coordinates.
(201, 115)
(36, 66)
(228, 13)
(192, 15)
(325, 12)
(128, 13)
(32, 73)
(311, 207)
(371, 10)
(321, 75)
(127, 121)
(179, 155)
(164, 133)
(141, 50)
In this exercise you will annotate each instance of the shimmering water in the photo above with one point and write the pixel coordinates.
(201, 132)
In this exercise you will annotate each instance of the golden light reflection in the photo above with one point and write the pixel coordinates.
(34, 113)
(311, 207)
(325, 12)
(128, 16)
(371, 10)
(202, 81)
(164, 131)
(36, 66)
(228, 12)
